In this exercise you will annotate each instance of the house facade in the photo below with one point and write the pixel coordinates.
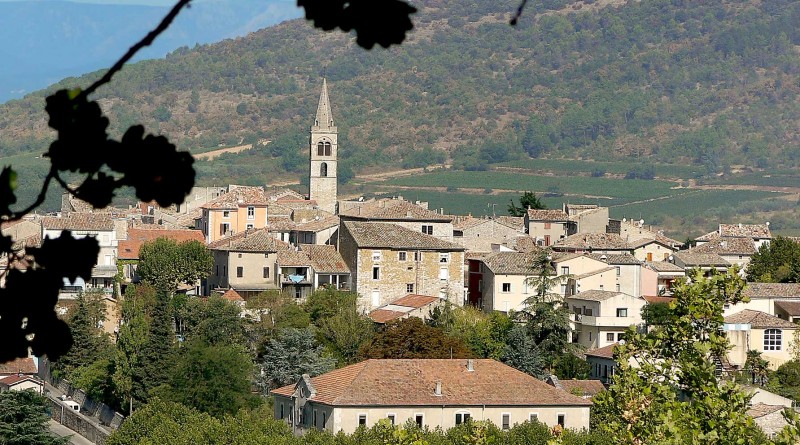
(480, 234)
(753, 330)
(245, 262)
(431, 393)
(601, 317)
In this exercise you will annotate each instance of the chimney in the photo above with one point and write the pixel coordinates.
(470, 365)
(438, 390)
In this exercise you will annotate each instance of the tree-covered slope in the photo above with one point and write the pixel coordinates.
(712, 83)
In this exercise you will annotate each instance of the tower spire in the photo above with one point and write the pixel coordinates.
(324, 119)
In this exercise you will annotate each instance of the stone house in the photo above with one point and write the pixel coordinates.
(736, 251)
(600, 317)
(104, 227)
(652, 249)
(753, 330)
(600, 243)
(310, 266)
(479, 234)
(409, 215)
(706, 262)
(245, 262)
(431, 393)
(548, 226)
(758, 233)
(659, 277)
(587, 218)
(499, 281)
(388, 261)
(777, 299)
(21, 382)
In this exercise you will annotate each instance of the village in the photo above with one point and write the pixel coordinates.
(404, 260)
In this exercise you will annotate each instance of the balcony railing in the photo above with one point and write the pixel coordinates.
(589, 320)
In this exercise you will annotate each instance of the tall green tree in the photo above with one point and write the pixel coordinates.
(672, 395)
(345, 332)
(522, 353)
(528, 200)
(23, 420)
(165, 263)
(291, 354)
(90, 343)
(776, 262)
(412, 338)
(133, 336)
(213, 321)
(157, 352)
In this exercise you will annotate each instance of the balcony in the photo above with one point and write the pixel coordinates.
(617, 322)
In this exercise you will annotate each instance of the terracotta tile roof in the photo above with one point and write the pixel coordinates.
(745, 230)
(414, 301)
(515, 222)
(232, 295)
(258, 240)
(317, 225)
(129, 249)
(79, 221)
(393, 210)
(383, 315)
(547, 215)
(238, 196)
(284, 195)
(524, 244)
(759, 320)
(727, 246)
(594, 272)
(510, 263)
(468, 222)
(672, 244)
(762, 409)
(14, 379)
(585, 387)
(710, 236)
(772, 290)
(280, 224)
(693, 259)
(293, 258)
(596, 241)
(604, 352)
(655, 299)
(595, 295)
(663, 266)
(790, 307)
(412, 382)
(392, 236)
(21, 365)
(620, 259)
(325, 259)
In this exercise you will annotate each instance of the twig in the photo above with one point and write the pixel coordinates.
(146, 41)
(518, 14)
(16, 216)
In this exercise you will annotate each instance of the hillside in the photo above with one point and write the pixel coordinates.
(711, 84)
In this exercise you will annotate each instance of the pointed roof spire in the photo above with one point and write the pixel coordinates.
(324, 117)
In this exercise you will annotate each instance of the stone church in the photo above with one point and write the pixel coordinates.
(324, 147)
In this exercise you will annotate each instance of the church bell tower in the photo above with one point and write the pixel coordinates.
(324, 147)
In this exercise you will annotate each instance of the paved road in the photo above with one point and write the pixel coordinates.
(61, 431)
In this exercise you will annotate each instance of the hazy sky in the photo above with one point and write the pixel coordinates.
(127, 2)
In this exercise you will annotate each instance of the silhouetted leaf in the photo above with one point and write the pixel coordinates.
(384, 22)
(97, 191)
(8, 183)
(81, 126)
(82, 255)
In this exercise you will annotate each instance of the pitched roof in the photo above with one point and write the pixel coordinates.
(232, 295)
(690, 258)
(317, 225)
(657, 299)
(772, 290)
(745, 230)
(25, 365)
(585, 387)
(597, 241)
(414, 301)
(290, 257)
(604, 352)
(392, 236)
(727, 246)
(258, 240)
(790, 307)
(79, 221)
(401, 307)
(595, 295)
(129, 249)
(325, 259)
(663, 266)
(383, 315)
(515, 222)
(594, 272)
(547, 215)
(393, 210)
(239, 196)
(14, 379)
(762, 409)
(759, 320)
(619, 259)
(411, 382)
(510, 263)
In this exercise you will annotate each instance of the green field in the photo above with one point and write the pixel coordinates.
(691, 203)
(616, 168)
(609, 191)
(765, 179)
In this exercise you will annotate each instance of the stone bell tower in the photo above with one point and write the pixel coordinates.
(324, 147)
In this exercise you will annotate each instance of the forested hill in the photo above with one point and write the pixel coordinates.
(677, 81)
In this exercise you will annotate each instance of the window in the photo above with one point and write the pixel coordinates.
(564, 290)
(462, 418)
(419, 419)
(226, 214)
(561, 419)
(619, 270)
(773, 339)
(417, 256)
(617, 287)
(410, 288)
(239, 272)
(327, 149)
(321, 149)
(376, 298)
(323, 170)
(427, 229)
(506, 287)
(376, 255)
(588, 311)
(315, 417)
(622, 312)
(590, 335)
(281, 417)
(216, 271)
(506, 421)
(547, 240)
(240, 255)
(224, 228)
(534, 417)
(401, 256)
(362, 419)
(620, 336)
(547, 226)
(250, 227)
(444, 273)
(266, 272)
(649, 256)
(444, 257)
(610, 336)
(564, 270)
(458, 233)
(251, 212)
(323, 419)
(376, 273)
(224, 271)
(391, 417)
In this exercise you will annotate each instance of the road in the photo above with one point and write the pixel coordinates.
(62, 431)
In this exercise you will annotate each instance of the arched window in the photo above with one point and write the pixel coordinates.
(327, 149)
(773, 339)
(323, 170)
(320, 149)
